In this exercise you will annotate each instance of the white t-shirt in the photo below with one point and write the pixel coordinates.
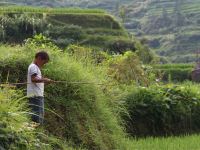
(34, 89)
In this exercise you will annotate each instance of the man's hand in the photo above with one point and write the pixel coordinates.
(35, 79)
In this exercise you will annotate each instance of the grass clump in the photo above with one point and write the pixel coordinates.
(16, 131)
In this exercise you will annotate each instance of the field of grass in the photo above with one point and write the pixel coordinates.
(28, 9)
(170, 143)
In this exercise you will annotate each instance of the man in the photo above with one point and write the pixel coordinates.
(35, 86)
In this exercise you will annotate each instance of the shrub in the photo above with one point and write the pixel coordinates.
(163, 110)
(145, 53)
(128, 69)
(176, 72)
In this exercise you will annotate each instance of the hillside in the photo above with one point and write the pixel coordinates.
(89, 27)
(171, 28)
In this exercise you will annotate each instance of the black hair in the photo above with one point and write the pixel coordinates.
(43, 55)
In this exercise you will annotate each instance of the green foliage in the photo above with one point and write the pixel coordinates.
(17, 27)
(93, 29)
(87, 29)
(104, 31)
(128, 69)
(17, 9)
(16, 131)
(65, 35)
(163, 110)
(172, 29)
(177, 75)
(83, 112)
(87, 55)
(113, 44)
(145, 53)
(40, 41)
(170, 143)
(87, 20)
(121, 45)
(177, 72)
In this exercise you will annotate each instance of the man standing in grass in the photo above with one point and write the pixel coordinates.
(35, 86)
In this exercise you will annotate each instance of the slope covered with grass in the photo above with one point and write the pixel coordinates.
(80, 113)
(64, 26)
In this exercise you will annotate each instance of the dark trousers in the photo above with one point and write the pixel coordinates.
(36, 105)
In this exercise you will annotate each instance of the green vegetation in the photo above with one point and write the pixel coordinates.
(19, 9)
(174, 72)
(89, 115)
(116, 95)
(163, 110)
(171, 28)
(84, 115)
(16, 131)
(170, 143)
(70, 26)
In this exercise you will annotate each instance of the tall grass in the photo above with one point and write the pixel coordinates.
(170, 143)
(89, 120)
(16, 130)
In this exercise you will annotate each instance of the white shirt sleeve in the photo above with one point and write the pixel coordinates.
(33, 70)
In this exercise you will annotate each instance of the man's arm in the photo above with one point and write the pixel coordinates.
(35, 79)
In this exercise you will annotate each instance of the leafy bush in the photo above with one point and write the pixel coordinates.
(175, 72)
(128, 69)
(163, 110)
(145, 53)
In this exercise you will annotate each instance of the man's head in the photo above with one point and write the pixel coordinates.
(41, 58)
